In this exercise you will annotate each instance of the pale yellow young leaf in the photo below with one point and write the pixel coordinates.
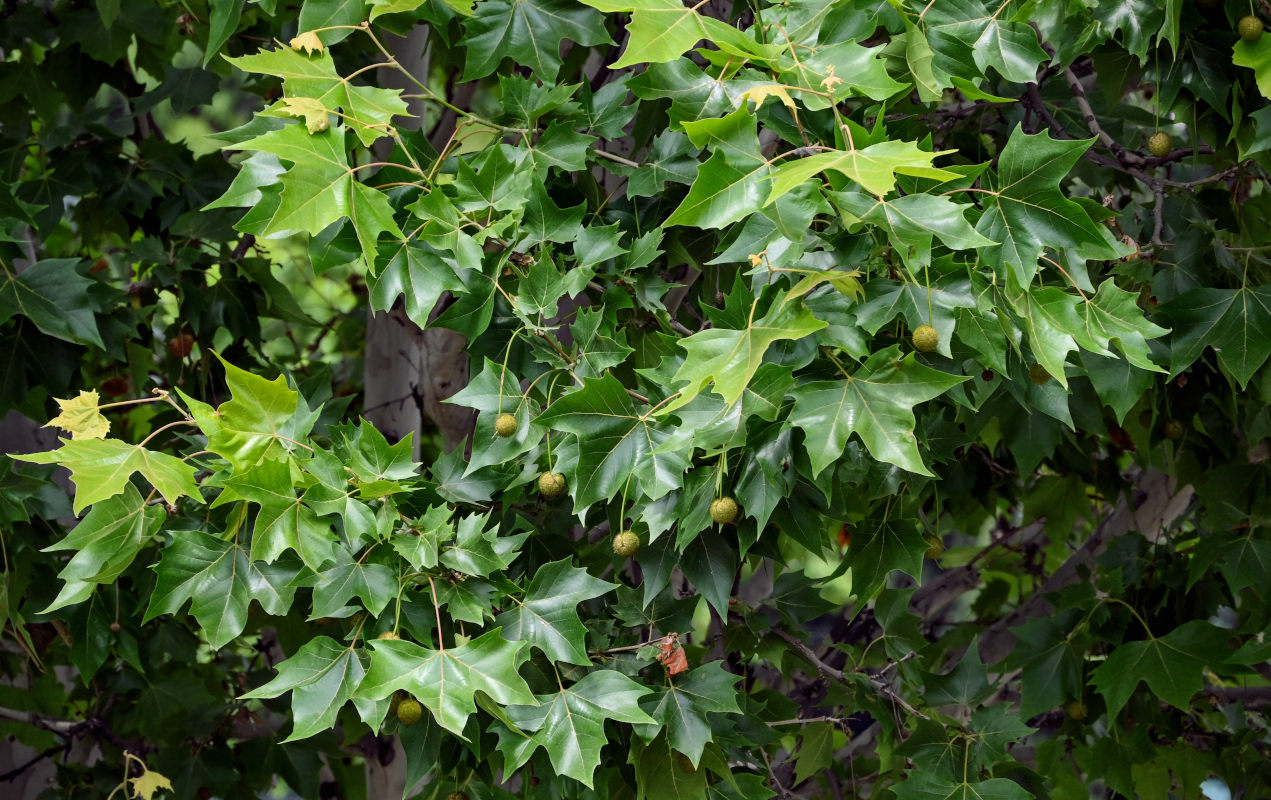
(315, 114)
(763, 91)
(82, 417)
(148, 783)
(308, 41)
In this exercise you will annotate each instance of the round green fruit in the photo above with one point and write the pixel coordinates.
(1250, 28)
(925, 338)
(1076, 710)
(505, 425)
(1173, 430)
(935, 547)
(626, 544)
(409, 711)
(551, 484)
(1038, 374)
(1159, 143)
(724, 510)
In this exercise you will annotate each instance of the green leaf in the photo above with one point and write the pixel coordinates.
(860, 72)
(962, 29)
(1052, 320)
(912, 221)
(996, 727)
(816, 751)
(672, 158)
(1026, 211)
(918, 303)
(494, 391)
(928, 79)
(529, 32)
(876, 403)
(1051, 662)
(102, 468)
(373, 460)
(682, 707)
(1137, 22)
(614, 443)
(501, 181)
(53, 295)
(1256, 56)
(106, 541)
(480, 552)
(547, 616)
(661, 773)
(284, 522)
(221, 581)
(570, 724)
(261, 423)
(879, 546)
(335, 586)
(662, 30)
(319, 188)
(381, 7)
(327, 13)
(1171, 665)
(1236, 323)
(874, 167)
(445, 681)
(726, 189)
(322, 675)
(728, 359)
(223, 20)
(922, 786)
(420, 545)
(560, 148)
(1113, 315)
(710, 565)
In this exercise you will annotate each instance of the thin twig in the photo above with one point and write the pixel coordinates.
(807, 721)
(1092, 122)
(16, 771)
(619, 159)
(837, 674)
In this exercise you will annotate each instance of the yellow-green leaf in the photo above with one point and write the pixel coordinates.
(81, 417)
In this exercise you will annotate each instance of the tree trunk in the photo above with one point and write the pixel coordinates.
(409, 371)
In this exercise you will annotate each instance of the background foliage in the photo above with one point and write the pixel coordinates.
(687, 249)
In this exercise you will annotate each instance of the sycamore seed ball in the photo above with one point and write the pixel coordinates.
(724, 510)
(1250, 28)
(505, 425)
(409, 711)
(926, 339)
(1038, 374)
(935, 546)
(551, 484)
(388, 635)
(1159, 143)
(1173, 430)
(1076, 710)
(626, 544)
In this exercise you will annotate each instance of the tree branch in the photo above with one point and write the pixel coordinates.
(1155, 504)
(16, 771)
(880, 687)
(62, 727)
(1087, 113)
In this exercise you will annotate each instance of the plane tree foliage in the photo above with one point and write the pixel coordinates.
(966, 305)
